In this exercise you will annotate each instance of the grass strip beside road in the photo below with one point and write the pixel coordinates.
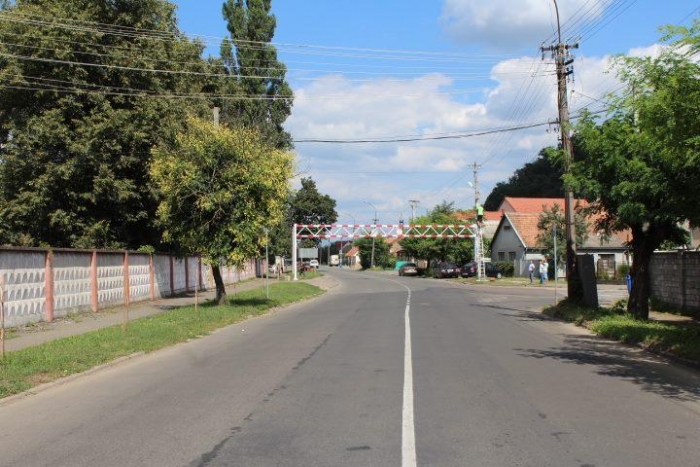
(24, 369)
(676, 339)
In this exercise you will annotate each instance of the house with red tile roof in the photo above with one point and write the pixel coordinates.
(516, 237)
(351, 256)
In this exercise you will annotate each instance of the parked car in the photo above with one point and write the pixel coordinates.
(408, 269)
(314, 263)
(445, 269)
(470, 270)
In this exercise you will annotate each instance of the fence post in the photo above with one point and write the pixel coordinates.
(151, 277)
(684, 293)
(127, 288)
(93, 282)
(187, 275)
(172, 276)
(48, 280)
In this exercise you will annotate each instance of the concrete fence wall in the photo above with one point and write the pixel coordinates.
(675, 279)
(41, 285)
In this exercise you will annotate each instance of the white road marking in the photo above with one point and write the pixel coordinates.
(408, 425)
(408, 437)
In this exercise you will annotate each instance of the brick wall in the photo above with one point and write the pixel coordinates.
(675, 279)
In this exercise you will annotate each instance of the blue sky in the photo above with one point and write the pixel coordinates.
(368, 69)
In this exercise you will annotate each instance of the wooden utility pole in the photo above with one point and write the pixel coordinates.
(564, 61)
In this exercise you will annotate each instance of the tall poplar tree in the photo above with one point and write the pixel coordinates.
(248, 55)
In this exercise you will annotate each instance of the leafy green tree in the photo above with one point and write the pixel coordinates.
(642, 164)
(381, 252)
(249, 56)
(221, 187)
(538, 179)
(308, 206)
(77, 127)
(554, 217)
(457, 250)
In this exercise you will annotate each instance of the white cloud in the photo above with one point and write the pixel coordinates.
(522, 91)
(511, 24)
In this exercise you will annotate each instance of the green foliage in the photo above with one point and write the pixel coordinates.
(249, 55)
(308, 206)
(146, 249)
(382, 258)
(680, 339)
(554, 217)
(642, 164)
(456, 250)
(507, 268)
(76, 154)
(538, 179)
(220, 188)
(623, 270)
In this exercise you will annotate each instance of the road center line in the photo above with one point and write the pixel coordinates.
(408, 437)
(408, 425)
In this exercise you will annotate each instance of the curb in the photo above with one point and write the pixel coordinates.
(67, 379)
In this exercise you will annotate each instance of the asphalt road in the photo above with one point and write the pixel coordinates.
(478, 380)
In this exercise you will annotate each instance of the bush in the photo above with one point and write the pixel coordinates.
(507, 268)
(623, 270)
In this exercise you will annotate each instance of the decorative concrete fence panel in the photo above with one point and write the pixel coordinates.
(161, 270)
(179, 275)
(110, 279)
(24, 278)
(72, 282)
(139, 277)
(194, 274)
(40, 285)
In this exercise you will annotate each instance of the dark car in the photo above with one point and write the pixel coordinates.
(445, 269)
(408, 269)
(470, 270)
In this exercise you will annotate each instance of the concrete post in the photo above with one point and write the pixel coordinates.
(48, 280)
(94, 293)
(127, 288)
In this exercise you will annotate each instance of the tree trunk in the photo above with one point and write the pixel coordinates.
(220, 288)
(638, 304)
(643, 245)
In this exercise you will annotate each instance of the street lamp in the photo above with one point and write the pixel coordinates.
(371, 261)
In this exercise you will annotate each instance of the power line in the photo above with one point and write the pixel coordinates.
(406, 140)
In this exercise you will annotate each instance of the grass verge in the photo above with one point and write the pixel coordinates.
(23, 369)
(678, 339)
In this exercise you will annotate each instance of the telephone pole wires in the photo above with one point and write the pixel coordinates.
(564, 63)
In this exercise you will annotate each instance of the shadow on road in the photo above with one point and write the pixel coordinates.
(618, 361)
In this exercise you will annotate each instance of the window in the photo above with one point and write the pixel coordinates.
(511, 256)
(501, 256)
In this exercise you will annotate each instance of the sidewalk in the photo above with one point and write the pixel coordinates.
(72, 325)
(28, 336)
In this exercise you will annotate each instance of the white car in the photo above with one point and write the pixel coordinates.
(314, 263)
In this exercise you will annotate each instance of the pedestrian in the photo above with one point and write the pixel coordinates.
(542, 266)
(546, 271)
(531, 270)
